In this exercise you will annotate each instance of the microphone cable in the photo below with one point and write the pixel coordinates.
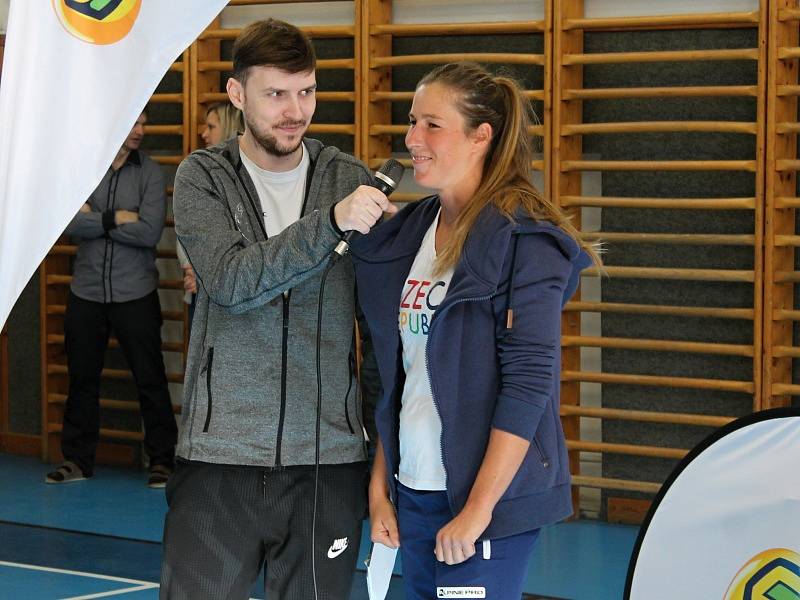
(331, 264)
(386, 180)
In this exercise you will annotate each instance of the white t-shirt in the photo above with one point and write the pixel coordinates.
(281, 194)
(421, 465)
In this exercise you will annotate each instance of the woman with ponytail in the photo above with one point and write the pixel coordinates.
(463, 292)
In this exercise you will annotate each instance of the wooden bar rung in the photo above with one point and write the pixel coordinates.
(167, 315)
(630, 449)
(375, 163)
(440, 29)
(167, 284)
(657, 345)
(259, 2)
(313, 31)
(343, 129)
(646, 416)
(108, 403)
(785, 389)
(605, 58)
(652, 309)
(53, 369)
(163, 129)
(786, 277)
(615, 484)
(781, 314)
(786, 240)
(660, 127)
(660, 92)
(322, 96)
(481, 57)
(788, 52)
(729, 275)
(787, 127)
(534, 130)
(661, 165)
(111, 434)
(205, 66)
(787, 202)
(58, 340)
(381, 96)
(696, 239)
(786, 351)
(745, 387)
(786, 165)
(788, 14)
(167, 160)
(166, 99)
(661, 203)
(787, 90)
(661, 22)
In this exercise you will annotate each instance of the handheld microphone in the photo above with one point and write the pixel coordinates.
(386, 179)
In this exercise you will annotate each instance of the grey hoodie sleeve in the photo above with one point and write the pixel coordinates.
(86, 225)
(146, 232)
(237, 274)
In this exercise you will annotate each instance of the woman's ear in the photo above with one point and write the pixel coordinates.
(482, 136)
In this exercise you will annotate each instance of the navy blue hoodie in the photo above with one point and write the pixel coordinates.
(483, 374)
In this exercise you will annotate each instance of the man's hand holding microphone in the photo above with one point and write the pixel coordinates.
(359, 211)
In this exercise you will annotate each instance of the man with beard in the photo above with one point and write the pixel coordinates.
(114, 281)
(259, 217)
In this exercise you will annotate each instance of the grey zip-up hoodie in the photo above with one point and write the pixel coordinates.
(117, 264)
(250, 389)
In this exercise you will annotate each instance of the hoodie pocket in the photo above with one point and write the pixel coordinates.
(209, 402)
(542, 457)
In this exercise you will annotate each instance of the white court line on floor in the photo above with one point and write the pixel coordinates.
(139, 588)
(141, 584)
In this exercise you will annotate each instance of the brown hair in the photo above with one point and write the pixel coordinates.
(481, 97)
(272, 43)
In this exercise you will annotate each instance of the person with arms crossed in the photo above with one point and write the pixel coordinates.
(259, 217)
(114, 288)
(463, 294)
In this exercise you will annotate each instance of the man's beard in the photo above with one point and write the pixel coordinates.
(270, 143)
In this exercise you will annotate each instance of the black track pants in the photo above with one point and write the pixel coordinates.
(224, 522)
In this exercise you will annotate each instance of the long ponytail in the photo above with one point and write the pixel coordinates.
(506, 182)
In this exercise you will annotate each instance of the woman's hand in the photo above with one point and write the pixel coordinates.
(383, 523)
(455, 542)
(189, 279)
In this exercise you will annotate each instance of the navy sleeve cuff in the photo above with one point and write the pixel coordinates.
(338, 231)
(108, 220)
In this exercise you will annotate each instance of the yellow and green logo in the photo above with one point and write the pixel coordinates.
(97, 21)
(770, 575)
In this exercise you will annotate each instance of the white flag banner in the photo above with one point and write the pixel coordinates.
(76, 75)
(726, 525)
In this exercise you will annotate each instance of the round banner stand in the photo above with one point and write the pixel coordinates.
(726, 523)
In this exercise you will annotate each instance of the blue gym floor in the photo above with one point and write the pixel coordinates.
(101, 538)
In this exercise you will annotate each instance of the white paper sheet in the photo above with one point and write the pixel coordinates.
(379, 570)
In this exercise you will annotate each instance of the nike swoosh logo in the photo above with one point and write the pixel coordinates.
(334, 553)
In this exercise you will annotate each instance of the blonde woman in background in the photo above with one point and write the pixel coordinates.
(223, 121)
